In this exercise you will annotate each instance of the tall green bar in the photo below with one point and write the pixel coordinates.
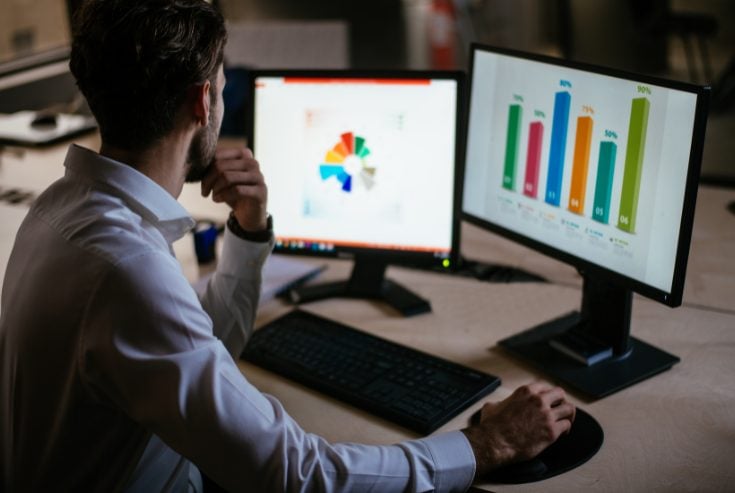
(633, 164)
(512, 145)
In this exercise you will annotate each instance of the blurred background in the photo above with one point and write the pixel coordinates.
(686, 40)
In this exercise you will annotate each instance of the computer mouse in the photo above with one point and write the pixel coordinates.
(569, 451)
(44, 120)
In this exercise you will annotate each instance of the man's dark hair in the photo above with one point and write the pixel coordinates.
(135, 60)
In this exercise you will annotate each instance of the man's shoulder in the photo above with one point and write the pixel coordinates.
(92, 222)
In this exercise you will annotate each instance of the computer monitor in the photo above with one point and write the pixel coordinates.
(597, 168)
(361, 164)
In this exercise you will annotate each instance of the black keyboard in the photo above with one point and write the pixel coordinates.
(403, 385)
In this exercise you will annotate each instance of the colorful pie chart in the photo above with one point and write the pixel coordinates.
(346, 162)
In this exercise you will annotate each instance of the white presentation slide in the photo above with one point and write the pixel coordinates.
(359, 162)
(589, 164)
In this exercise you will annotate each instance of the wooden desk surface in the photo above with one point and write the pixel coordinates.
(675, 431)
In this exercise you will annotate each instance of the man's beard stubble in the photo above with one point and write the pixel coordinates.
(202, 150)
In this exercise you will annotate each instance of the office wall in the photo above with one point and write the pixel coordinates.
(376, 27)
(32, 26)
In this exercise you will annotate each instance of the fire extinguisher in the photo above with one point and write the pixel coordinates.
(442, 35)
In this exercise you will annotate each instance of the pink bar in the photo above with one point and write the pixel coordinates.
(533, 158)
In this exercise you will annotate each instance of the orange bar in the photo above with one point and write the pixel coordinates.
(581, 164)
(348, 80)
(349, 142)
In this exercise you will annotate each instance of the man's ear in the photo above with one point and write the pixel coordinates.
(201, 102)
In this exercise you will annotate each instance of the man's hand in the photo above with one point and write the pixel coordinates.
(235, 178)
(519, 427)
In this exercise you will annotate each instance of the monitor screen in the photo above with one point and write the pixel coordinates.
(360, 162)
(585, 162)
(597, 168)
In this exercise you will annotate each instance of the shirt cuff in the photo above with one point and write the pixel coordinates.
(454, 460)
(242, 258)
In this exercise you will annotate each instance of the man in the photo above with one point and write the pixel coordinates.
(113, 375)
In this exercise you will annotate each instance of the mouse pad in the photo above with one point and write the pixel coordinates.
(569, 451)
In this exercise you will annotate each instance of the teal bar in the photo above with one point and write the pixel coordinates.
(512, 145)
(603, 185)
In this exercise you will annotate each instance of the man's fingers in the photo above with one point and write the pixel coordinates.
(539, 387)
(561, 427)
(231, 178)
(234, 153)
(232, 194)
(228, 160)
(564, 411)
(554, 396)
(227, 164)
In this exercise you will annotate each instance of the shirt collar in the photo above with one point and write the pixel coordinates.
(144, 196)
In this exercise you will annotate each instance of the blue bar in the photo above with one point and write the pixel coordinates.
(559, 129)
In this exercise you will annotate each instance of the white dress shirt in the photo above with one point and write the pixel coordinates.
(115, 376)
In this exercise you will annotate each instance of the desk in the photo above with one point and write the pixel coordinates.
(675, 431)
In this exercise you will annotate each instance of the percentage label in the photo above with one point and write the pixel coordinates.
(588, 109)
(518, 97)
(539, 114)
(644, 90)
(565, 83)
(611, 134)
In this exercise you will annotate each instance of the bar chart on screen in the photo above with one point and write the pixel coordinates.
(592, 164)
(587, 152)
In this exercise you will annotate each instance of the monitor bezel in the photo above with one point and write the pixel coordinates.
(392, 256)
(672, 298)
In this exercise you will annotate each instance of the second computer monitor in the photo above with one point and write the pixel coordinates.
(597, 168)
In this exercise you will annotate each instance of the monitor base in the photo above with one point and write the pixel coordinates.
(597, 380)
(366, 281)
(392, 293)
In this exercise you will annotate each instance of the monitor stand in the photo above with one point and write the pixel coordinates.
(366, 281)
(592, 351)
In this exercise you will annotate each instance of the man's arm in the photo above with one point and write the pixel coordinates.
(232, 295)
(148, 352)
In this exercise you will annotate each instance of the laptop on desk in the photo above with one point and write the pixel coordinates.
(24, 128)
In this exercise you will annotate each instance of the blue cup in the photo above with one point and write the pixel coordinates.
(205, 240)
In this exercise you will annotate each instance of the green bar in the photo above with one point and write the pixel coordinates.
(511, 146)
(633, 164)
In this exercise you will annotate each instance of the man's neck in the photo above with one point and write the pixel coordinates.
(164, 162)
